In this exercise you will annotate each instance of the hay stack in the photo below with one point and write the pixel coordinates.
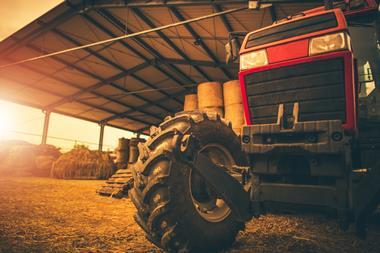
(210, 98)
(233, 105)
(18, 158)
(191, 102)
(48, 150)
(82, 163)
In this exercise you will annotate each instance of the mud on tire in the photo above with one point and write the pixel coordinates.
(163, 191)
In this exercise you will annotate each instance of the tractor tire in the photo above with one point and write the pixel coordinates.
(175, 208)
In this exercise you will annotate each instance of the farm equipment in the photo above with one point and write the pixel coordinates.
(312, 140)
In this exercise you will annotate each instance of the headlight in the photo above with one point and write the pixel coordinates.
(253, 59)
(328, 43)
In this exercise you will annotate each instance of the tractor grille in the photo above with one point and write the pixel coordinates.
(318, 87)
(293, 29)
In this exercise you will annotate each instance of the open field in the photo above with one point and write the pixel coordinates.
(48, 215)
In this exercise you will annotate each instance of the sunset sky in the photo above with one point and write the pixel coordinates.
(25, 123)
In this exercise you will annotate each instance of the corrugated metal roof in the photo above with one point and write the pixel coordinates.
(128, 84)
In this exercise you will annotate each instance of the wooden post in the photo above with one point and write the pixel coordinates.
(46, 127)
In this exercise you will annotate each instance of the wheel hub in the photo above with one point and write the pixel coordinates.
(208, 204)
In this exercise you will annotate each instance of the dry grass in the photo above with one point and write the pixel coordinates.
(81, 162)
(49, 215)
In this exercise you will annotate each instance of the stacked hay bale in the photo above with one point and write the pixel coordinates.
(19, 158)
(191, 102)
(233, 105)
(224, 100)
(83, 163)
(210, 98)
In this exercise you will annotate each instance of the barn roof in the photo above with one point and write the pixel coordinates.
(133, 83)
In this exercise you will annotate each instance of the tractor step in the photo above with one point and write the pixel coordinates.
(118, 185)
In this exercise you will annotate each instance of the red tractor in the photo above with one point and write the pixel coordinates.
(312, 138)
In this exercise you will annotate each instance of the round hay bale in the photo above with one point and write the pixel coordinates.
(214, 110)
(210, 94)
(191, 102)
(232, 93)
(235, 114)
(233, 107)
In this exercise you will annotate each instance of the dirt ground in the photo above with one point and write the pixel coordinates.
(48, 215)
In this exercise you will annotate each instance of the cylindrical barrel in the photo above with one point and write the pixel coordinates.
(232, 92)
(122, 151)
(133, 149)
(191, 102)
(233, 107)
(123, 143)
(210, 94)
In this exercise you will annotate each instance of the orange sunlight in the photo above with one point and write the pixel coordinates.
(18, 122)
(15, 14)
(6, 121)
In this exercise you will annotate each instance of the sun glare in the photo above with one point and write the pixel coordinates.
(5, 121)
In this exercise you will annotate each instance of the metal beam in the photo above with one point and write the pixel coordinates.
(113, 64)
(91, 88)
(135, 51)
(92, 92)
(208, 51)
(178, 3)
(180, 52)
(225, 22)
(273, 14)
(46, 127)
(81, 101)
(199, 63)
(54, 93)
(123, 114)
(99, 84)
(156, 3)
(101, 137)
(21, 102)
(121, 26)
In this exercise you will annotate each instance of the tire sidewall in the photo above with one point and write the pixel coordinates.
(205, 234)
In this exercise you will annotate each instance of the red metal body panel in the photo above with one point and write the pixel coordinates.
(342, 25)
(350, 124)
(288, 51)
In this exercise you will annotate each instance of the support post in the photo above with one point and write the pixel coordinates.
(46, 127)
(101, 135)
